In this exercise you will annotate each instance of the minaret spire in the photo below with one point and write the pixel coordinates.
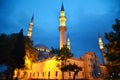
(101, 49)
(62, 8)
(30, 27)
(62, 27)
(100, 41)
(68, 42)
(62, 18)
(32, 18)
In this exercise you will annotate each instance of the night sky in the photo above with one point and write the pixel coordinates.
(85, 18)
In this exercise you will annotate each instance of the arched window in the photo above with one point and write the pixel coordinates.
(56, 73)
(30, 74)
(83, 74)
(69, 73)
(49, 74)
(43, 74)
(38, 74)
(25, 75)
(33, 74)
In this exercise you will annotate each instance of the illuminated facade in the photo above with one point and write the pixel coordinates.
(47, 69)
(50, 68)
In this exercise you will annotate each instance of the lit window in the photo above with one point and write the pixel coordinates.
(41, 49)
(47, 50)
(38, 49)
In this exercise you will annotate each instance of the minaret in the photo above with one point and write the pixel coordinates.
(62, 27)
(30, 27)
(68, 42)
(102, 49)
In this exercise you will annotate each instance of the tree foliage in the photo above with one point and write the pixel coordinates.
(72, 67)
(62, 54)
(13, 49)
(4, 49)
(113, 49)
(18, 51)
(9, 46)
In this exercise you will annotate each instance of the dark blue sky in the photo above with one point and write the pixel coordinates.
(85, 18)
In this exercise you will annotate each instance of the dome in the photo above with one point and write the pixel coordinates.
(43, 51)
(41, 47)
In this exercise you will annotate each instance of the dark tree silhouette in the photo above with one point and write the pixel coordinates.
(71, 67)
(13, 49)
(113, 50)
(5, 49)
(12, 52)
(17, 55)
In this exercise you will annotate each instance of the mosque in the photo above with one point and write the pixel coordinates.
(47, 67)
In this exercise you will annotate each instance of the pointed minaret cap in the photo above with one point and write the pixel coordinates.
(98, 35)
(62, 8)
(32, 18)
(68, 35)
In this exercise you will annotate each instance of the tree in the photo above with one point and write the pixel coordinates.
(17, 54)
(5, 49)
(62, 54)
(113, 50)
(14, 49)
(71, 67)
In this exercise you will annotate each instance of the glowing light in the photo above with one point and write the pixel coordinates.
(50, 67)
(62, 19)
(28, 62)
(101, 43)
